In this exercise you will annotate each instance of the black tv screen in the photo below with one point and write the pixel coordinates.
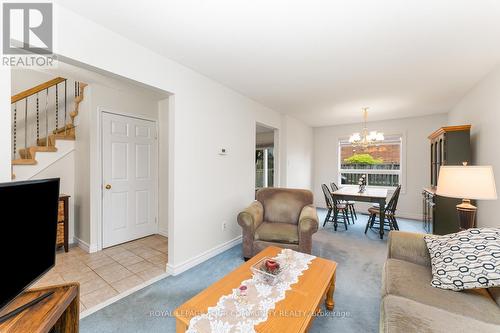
(28, 233)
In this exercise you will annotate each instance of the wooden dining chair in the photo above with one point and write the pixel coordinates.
(334, 208)
(390, 213)
(329, 204)
(349, 204)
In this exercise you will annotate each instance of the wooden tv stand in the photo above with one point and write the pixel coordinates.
(60, 311)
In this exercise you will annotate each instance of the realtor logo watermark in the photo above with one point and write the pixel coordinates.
(27, 34)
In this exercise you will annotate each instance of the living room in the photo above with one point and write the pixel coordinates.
(323, 79)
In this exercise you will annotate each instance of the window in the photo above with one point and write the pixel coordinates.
(380, 163)
(264, 167)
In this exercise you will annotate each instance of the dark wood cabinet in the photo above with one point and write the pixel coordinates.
(439, 213)
(448, 146)
(428, 209)
(63, 222)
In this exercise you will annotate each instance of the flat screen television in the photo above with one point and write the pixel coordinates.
(28, 234)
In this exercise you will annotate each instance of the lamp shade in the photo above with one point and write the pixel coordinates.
(470, 182)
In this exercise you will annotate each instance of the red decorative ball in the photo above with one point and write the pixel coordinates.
(272, 265)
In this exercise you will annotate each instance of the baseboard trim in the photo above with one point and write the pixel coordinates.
(409, 216)
(190, 263)
(84, 245)
(124, 294)
(164, 233)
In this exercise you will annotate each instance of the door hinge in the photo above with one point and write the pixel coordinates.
(156, 220)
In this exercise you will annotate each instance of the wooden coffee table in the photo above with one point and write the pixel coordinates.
(295, 312)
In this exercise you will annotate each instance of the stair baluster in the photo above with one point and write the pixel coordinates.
(47, 117)
(26, 124)
(15, 129)
(57, 108)
(37, 119)
(26, 154)
(65, 108)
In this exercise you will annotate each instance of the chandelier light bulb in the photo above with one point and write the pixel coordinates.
(356, 137)
(366, 138)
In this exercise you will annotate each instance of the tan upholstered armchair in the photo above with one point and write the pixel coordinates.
(281, 217)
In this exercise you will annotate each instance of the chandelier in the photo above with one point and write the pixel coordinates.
(366, 138)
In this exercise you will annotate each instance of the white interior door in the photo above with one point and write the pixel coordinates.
(130, 172)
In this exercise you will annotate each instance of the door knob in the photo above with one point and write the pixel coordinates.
(108, 187)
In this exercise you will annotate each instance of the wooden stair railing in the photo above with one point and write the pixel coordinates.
(52, 131)
(36, 89)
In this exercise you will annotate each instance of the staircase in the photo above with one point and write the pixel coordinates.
(41, 119)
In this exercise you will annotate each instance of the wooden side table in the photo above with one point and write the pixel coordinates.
(63, 222)
(59, 312)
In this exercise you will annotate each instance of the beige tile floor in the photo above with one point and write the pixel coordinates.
(105, 274)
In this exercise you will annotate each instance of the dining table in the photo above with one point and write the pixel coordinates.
(374, 195)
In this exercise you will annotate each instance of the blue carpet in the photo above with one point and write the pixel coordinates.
(360, 259)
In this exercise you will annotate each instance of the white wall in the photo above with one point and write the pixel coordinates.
(206, 117)
(83, 213)
(64, 169)
(416, 146)
(297, 153)
(163, 158)
(481, 108)
(293, 146)
(5, 125)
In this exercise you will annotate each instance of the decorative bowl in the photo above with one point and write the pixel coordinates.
(263, 274)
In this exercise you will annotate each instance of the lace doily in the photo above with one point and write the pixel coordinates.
(240, 314)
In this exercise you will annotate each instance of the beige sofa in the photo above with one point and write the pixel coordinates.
(281, 217)
(411, 304)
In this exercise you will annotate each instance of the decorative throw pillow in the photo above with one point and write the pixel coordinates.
(467, 259)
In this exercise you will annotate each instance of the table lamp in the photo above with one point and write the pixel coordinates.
(467, 182)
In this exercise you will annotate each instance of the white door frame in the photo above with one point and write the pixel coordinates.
(100, 111)
(276, 152)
